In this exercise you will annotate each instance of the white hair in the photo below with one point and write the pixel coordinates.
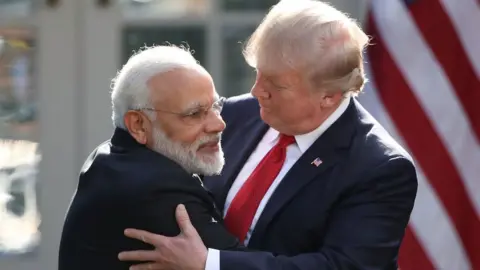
(130, 87)
(314, 38)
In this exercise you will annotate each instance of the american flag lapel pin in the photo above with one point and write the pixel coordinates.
(317, 162)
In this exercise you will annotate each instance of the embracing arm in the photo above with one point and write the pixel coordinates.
(157, 211)
(365, 229)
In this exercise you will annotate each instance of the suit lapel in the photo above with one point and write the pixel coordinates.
(329, 149)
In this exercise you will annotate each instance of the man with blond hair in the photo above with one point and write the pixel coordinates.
(311, 179)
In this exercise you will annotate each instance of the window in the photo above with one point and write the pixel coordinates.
(238, 76)
(248, 5)
(165, 8)
(139, 36)
(15, 8)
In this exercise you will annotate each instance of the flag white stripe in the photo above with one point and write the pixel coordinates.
(429, 220)
(435, 230)
(465, 17)
(433, 90)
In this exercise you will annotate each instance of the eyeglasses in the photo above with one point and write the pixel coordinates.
(196, 115)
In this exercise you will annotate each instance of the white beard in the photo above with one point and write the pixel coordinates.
(187, 156)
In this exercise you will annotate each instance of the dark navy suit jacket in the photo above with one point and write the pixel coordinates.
(125, 185)
(350, 212)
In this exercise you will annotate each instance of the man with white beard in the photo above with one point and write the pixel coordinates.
(168, 127)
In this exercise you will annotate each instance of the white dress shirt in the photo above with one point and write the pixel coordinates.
(294, 152)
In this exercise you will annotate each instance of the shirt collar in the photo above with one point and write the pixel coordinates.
(304, 141)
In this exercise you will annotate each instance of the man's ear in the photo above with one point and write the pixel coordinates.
(331, 100)
(137, 125)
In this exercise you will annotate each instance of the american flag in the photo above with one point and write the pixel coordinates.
(317, 162)
(424, 71)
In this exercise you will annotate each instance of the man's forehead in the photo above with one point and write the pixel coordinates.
(200, 102)
(274, 67)
(273, 73)
(185, 102)
(184, 89)
(173, 78)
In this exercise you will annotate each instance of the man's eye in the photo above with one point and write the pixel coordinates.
(195, 114)
(276, 85)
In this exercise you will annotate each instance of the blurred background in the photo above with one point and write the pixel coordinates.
(57, 58)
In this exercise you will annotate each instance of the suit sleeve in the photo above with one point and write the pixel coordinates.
(157, 215)
(365, 229)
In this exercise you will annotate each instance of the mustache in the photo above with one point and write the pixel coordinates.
(208, 139)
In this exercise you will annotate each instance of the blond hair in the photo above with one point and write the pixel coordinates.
(312, 37)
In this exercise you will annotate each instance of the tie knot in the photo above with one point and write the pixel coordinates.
(285, 140)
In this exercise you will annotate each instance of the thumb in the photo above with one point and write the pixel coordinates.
(183, 220)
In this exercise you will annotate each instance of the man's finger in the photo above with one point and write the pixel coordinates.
(138, 255)
(183, 219)
(144, 236)
(147, 266)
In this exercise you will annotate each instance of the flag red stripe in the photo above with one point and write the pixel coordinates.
(412, 256)
(427, 148)
(438, 31)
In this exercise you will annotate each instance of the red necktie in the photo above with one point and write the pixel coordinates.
(245, 203)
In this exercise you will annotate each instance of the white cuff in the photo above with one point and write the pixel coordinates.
(213, 259)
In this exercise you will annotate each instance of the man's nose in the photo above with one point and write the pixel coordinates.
(215, 123)
(258, 92)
